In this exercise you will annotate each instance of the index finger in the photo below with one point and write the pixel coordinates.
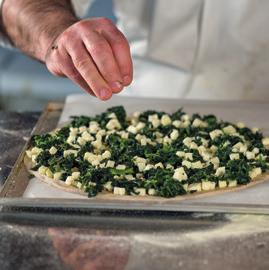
(121, 50)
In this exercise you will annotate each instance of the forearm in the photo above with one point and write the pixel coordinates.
(33, 25)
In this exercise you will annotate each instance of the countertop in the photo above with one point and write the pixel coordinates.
(33, 239)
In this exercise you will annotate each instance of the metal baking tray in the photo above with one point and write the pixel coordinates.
(14, 188)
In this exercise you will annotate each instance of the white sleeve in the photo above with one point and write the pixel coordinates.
(81, 6)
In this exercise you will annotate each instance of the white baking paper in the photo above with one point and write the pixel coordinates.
(253, 114)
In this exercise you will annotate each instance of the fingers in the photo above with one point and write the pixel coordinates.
(95, 55)
(102, 55)
(121, 51)
(86, 68)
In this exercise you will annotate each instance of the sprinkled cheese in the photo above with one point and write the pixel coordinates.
(180, 174)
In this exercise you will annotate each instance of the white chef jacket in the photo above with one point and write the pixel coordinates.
(207, 49)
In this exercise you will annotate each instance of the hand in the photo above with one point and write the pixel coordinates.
(94, 54)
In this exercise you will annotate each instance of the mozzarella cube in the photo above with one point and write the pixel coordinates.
(119, 191)
(158, 165)
(232, 183)
(255, 172)
(121, 167)
(69, 180)
(110, 164)
(151, 192)
(215, 133)
(220, 171)
(57, 175)
(195, 187)
(42, 170)
(180, 174)
(140, 191)
(234, 156)
(250, 155)
(140, 126)
(176, 123)
(132, 129)
(70, 152)
(108, 186)
(222, 184)
(113, 124)
(75, 175)
(208, 185)
(180, 154)
(106, 155)
(197, 165)
(174, 134)
(81, 141)
(166, 120)
(189, 156)
(186, 163)
(229, 130)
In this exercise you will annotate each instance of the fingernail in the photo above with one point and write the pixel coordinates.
(126, 79)
(115, 86)
(104, 93)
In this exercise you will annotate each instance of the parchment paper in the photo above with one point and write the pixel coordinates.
(253, 114)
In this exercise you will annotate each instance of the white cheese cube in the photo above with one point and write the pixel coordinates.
(255, 172)
(180, 174)
(265, 142)
(95, 162)
(119, 191)
(215, 161)
(176, 123)
(53, 150)
(213, 148)
(97, 144)
(189, 156)
(36, 150)
(167, 140)
(57, 175)
(42, 170)
(75, 175)
(186, 163)
(185, 124)
(112, 115)
(121, 167)
(156, 123)
(208, 185)
(152, 117)
(250, 155)
(129, 177)
(197, 165)
(232, 183)
(82, 129)
(158, 165)
(79, 185)
(222, 184)
(240, 125)
(141, 166)
(70, 152)
(255, 130)
(69, 180)
(151, 192)
(166, 120)
(185, 117)
(113, 124)
(229, 130)
(81, 141)
(199, 123)
(187, 141)
(140, 191)
(110, 164)
(106, 155)
(174, 134)
(256, 151)
(234, 156)
(180, 154)
(143, 141)
(108, 186)
(195, 187)
(215, 133)
(93, 127)
(140, 126)
(132, 129)
(220, 171)
(185, 186)
(169, 166)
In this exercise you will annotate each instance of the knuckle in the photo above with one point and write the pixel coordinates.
(104, 20)
(98, 47)
(81, 63)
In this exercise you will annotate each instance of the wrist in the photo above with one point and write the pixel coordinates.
(55, 27)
